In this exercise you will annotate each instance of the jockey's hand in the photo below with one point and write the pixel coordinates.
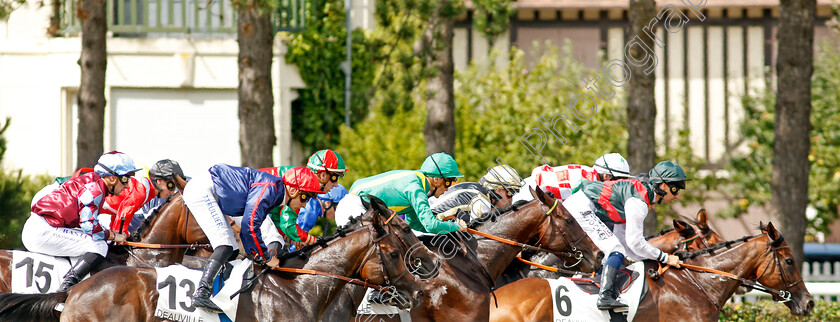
(674, 260)
(273, 263)
(462, 225)
(119, 238)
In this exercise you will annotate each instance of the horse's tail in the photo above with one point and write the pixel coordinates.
(31, 307)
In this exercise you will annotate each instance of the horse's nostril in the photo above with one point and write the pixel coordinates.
(809, 306)
(418, 295)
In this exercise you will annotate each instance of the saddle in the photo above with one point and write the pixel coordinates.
(592, 285)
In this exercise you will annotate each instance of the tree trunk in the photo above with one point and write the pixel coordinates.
(641, 106)
(793, 127)
(439, 129)
(256, 100)
(91, 97)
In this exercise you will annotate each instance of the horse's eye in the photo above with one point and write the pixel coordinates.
(789, 261)
(406, 229)
(395, 255)
(569, 220)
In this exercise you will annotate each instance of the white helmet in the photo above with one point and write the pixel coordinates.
(501, 177)
(614, 164)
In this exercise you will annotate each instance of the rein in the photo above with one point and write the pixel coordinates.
(166, 246)
(314, 272)
(576, 255)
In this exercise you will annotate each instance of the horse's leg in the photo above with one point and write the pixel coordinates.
(5, 271)
(528, 299)
(124, 292)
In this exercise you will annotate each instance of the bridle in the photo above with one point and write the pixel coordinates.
(574, 253)
(783, 295)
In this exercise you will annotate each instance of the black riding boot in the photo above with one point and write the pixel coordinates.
(78, 271)
(607, 297)
(201, 297)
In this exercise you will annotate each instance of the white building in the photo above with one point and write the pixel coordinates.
(170, 94)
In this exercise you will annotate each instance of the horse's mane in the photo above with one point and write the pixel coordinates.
(148, 221)
(715, 247)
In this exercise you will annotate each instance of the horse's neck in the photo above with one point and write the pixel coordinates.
(343, 257)
(165, 228)
(742, 261)
(522, 227)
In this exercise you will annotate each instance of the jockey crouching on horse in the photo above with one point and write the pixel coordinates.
(247, 193)
(470, 201)
(168, 179)
(623, 205)
(328, 167)
(565, 180)
(64, 222)
(407, 192)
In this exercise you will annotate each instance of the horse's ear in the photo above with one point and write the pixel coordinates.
(761, 226)
(772, 232)
(684, 229)
(365, 203)
(702, 218)
(544, 197)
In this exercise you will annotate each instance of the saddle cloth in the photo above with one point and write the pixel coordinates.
(576, 298)
(34, 273)
(177, 283)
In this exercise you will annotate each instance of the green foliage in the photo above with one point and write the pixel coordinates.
(492, 17)
(773, 311)
(318, 52)
(16, 192)
(7, 6)
(494, 107)
(754, 168)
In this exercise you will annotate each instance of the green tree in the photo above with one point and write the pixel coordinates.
(318, 52)
(16, 192)
(750, 186)
(494, 107)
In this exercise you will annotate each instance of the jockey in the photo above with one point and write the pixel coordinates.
(329, 202)
(407, 192)
(329, 167)
(168, 179)
(623, 205)
(247, 193)
(565, 180)
(122, 207)
(470, 200)
(64, 222)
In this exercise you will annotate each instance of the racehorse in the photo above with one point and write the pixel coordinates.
(460, 292)
(687, 294)
(683, 236)
(373, 252)
(169, 226)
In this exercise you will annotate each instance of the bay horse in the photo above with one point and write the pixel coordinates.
(170, 224)
(374, 251)
(461, 291)
(683, 236)
(683, 294)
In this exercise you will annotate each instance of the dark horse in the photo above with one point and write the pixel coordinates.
(374, 251)
(683, 236)
(683, 294)
(460, 292)
(170, 224)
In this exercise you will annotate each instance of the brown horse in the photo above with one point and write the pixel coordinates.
(685, 294)
(373, 251)
(683, 236)
(460, 292)
(170, 224)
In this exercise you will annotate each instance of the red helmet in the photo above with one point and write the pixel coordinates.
(302, 179)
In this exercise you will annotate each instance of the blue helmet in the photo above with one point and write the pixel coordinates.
(114, 164)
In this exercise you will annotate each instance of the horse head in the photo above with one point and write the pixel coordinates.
(400, 254)
(171, 223)
(778, 270)
(561, 232)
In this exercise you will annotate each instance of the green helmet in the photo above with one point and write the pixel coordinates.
(668, 171)
(440, 165)
(326, 160)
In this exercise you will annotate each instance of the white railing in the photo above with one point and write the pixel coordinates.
(820, 291)
(821, 271)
